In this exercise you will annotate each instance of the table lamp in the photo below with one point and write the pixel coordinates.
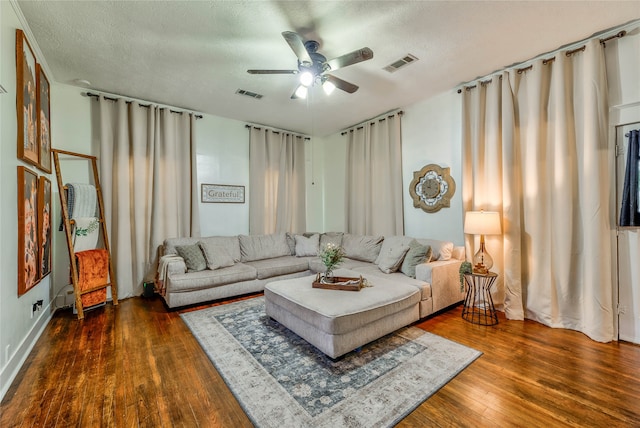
(482, 223)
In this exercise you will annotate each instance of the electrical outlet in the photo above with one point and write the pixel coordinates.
(36, 306)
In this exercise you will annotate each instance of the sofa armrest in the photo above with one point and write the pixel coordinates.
(176, 266)
(444, 277)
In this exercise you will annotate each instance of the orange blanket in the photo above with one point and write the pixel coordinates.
(93, 270)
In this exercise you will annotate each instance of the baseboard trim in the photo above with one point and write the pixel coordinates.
(16, 361)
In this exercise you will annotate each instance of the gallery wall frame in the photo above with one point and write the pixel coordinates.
(44, 120)
(44, 226)
(26, 100)
(222, 193)
(28, 248)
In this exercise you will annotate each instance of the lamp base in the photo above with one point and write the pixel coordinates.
(482, 261)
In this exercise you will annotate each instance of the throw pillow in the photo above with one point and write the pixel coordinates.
(361, 247)
(307, 246)
(392, 253)
(334, 238)
(216, 256)
(416, 255)
(193, 257)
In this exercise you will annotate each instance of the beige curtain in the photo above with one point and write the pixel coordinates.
(149, 182)
(373, 196)
(277, 187)
(535, 149)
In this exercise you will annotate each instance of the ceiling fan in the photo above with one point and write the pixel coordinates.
(313, 67)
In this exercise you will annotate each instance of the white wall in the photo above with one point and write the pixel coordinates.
(223, 158)
(430, 134)
(18, 330)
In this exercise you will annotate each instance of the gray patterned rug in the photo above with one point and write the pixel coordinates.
(282, 381)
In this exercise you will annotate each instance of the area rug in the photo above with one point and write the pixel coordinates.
(280, 380)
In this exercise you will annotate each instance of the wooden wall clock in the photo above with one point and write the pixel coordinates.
(432, 188)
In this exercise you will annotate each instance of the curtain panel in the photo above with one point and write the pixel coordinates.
(535, 150)
(277, 188)
(149, 181)
(373, 196)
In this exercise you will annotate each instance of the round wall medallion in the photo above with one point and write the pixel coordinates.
(432, 188)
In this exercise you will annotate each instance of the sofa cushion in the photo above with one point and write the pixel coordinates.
(260, 247)
(372, 272)
(316, 265)
(392, 253)
(442, 250)
(230, 243)
(334, 238)
(216, 256)
(307, 246)
(416, 255)
(212, 278)
(362, 247)
(291, 242)
(193, 257)
(284, 265)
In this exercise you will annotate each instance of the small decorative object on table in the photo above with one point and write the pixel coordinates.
(331, 256)
(340, 283)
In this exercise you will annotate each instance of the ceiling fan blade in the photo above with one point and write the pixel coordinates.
(297, 46)
(354, 57)
(342, 84)
(272, 71)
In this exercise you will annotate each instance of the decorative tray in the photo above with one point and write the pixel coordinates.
(340, 283)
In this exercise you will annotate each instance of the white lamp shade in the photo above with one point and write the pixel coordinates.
(482, 223)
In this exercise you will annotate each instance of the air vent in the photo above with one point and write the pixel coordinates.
(402, 62)
(248, 94)
(2, 90)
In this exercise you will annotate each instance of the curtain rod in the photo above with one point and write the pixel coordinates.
(278, 132)
(91, 94)
(603, 42)
(399, 113)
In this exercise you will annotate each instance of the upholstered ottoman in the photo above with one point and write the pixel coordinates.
(336, 321)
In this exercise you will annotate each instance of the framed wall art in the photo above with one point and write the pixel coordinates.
(222, 193)
(28, 252)
(44, 225)
(26, 102)
(44, 118)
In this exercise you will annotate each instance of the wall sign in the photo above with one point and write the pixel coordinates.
(222, 193)
(432, 188)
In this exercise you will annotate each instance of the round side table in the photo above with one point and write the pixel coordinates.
(478, 304)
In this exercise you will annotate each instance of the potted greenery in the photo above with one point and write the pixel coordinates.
(331, 256)
(465, 267)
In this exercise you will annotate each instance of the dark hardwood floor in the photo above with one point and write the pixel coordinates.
(138, 365)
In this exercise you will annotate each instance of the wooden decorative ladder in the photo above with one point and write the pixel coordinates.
(67, 227)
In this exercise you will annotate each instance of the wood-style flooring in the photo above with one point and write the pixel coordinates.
(138, 365)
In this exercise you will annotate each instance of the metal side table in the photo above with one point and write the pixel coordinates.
(478, 304)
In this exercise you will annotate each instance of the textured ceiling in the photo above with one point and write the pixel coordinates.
(194, 54)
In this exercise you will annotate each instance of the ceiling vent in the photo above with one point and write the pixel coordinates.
(248, 94)
(402, 62)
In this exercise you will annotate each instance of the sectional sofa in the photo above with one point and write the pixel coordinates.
(195, 270)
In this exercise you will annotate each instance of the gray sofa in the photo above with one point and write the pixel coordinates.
(237, 265)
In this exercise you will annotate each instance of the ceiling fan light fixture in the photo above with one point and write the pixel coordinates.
(306, 78)
(328, 87)
(301, 92)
